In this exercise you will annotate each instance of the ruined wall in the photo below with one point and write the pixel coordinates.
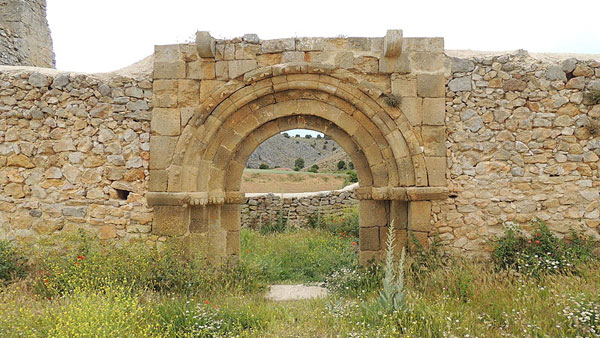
(67, 143)
(295, 208)
(24, 34)
(522, 143)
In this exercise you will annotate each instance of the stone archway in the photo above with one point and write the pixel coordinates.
(200, 143)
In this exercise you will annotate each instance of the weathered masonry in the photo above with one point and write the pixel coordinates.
(216, 101)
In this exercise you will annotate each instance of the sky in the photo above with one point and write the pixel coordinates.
(105, 35)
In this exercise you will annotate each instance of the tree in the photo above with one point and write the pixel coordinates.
(286, 135)
(314, 168)
(319, 137)
(308, 136)
(341, 165)
(299, 163)
(263, 166)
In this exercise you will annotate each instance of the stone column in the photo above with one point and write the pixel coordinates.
(373, 217)
(217, 236)
(419, 223)
(231, 222)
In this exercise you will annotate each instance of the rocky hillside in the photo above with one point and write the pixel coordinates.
(280, 151)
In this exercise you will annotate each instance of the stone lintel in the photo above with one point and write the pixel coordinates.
(402, 193)
(184, 198)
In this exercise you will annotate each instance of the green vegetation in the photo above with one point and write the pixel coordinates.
(341, 165)
(314, 168)
(298, 164)
(263, 166)
(78, 286)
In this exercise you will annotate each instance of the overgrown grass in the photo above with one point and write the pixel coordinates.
(94, 290)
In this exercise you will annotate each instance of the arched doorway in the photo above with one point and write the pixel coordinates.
(195, 184)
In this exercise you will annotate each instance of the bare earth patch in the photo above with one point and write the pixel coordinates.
(295, 292)
(279, 181)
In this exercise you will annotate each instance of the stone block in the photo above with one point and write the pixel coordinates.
(217, 246)
(169, 70)
(158, 180)
(434, 111)
(292, 56)
(412, 109)
(436, 171)
(195, 245)
(201, 70)
(400, 242)
(434, 140)
(419, 216)
(170, 220)
(372, 213)
(233, 243)
(167, 53)
(188, 93)
(198, 219)
(107, 231)
(399, 64)
(433, 45)
(165, 93)
(205, 45)
(246, 51)
(369, 257)
(239, 67)
(399, 214)
(404, 86)
(309, 44)
(277, 46)
(231, 217)
(207, 87)
(392, 43)
(431, 85)
(161, 151)
(369, 239)
(427, 62)
(420, 237)
(222, 70)
(166, 121)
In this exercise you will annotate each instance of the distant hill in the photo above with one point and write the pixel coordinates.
(280, 151)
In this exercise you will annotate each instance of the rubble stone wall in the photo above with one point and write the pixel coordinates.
(295, 209)
(24, 34)
(73, 153)
(523, 143)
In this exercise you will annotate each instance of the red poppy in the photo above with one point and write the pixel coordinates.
(46, 280)
(206, 302)
(76, 263)
(80, 258)
(538, 234)
(529, 241)
(353, 243)
(537, 242)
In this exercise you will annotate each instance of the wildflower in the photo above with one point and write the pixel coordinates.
(46, 280)
(529, 241)
(353, 243)
(206, 302)
(537, 242)
(79, 258)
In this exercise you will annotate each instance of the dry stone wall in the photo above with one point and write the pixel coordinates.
(523, 143)
(296, 208)
(24, 34)
(74, 153)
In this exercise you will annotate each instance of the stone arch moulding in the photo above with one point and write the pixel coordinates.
(201, 138)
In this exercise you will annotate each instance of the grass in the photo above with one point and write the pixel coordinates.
(95, 290)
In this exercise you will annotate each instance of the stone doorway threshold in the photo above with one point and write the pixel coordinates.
(295, 292)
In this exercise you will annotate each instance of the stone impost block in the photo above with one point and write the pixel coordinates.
(392, 43)
(431, 85)
(436, 171)
(369, 239)
(169, 70)
(373, 213)
(201, 70)
(161, 151)
(434, 111)
(170, 220)
(419, 216)
(166, 121)
(239, 67)
(158, 180)
(205, 44)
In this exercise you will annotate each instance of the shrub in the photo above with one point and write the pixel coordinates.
(341, 165)
(308, 136)
(263, 166)
(12, 263)
(345, 225)
(299, 163)
(541, 253)
(286, 135)
(351, 178)
(314, 168)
